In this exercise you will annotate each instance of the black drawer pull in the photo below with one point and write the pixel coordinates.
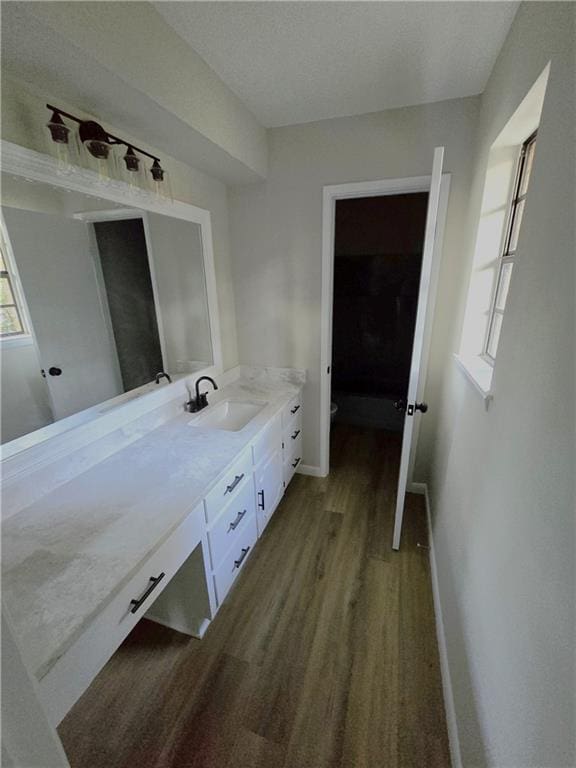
(154, 581)
(295, 435)
(237, 479)
(296, 408)
(235, 523)
(261, 503)
(238, 563)
(295, 463)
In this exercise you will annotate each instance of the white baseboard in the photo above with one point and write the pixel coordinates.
(309, 469)
(449, 707)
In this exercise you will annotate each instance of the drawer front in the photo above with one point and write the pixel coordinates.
(290, 410)
(268, 441)
(293, 449)
(235, 559)
(293, 431)
(65, 682)
(227, 488)
(269, 489)
(232, 522)
(292, 459)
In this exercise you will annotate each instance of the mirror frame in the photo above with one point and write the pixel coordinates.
(30, 165)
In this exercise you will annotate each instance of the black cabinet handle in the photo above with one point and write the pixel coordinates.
(296, 408)
(295, 463)
(154, 581)
(230, 488)
(238, 563)
(54, 371)
(261, 503)
(235, 523)
(295, 435)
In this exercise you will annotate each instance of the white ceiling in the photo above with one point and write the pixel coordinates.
(294, 62)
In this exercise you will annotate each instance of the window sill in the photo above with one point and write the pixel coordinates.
(479, 373)
(8, 342)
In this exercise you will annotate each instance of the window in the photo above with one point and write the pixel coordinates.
(11, 323)
(508, 255)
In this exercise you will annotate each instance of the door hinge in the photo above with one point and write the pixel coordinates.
(328, 370)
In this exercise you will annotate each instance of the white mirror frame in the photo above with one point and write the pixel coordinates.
(34, 166)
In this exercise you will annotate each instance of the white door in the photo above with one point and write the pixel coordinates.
(56, 267)
(416, 367)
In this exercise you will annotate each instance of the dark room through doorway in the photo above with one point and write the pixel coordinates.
(378, 249)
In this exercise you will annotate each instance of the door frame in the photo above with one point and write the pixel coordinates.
(126, 214)
(380, 188)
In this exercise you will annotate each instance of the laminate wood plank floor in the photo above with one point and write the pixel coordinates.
(324, 654)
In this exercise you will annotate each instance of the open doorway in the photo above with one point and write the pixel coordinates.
(378, 244)
(369, 377)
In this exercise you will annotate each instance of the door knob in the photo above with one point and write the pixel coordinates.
(421, 407)
(54, 371)
(400, 405)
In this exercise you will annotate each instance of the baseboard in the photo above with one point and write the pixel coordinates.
(449, 707)
(309, 469)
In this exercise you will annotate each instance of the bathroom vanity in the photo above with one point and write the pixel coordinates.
(161, 528)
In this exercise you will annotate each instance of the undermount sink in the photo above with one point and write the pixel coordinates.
(229, 415)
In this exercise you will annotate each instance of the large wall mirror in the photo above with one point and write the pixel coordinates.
(97, 300)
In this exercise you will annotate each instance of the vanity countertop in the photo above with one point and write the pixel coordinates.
(68, 554)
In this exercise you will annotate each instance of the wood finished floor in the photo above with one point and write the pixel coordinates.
(323, 656)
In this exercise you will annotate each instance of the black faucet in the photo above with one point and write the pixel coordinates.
(201, 400)
(162, 375)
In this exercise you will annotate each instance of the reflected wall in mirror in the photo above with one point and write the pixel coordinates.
(96, 300)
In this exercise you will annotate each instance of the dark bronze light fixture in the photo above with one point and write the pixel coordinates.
(157, 171)
(95, 139)
(58, 129)
(133, 161)
(98, 141)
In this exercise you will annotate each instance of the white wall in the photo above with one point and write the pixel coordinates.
(276, 231)
(179, 269)
(23, 119)
(502, 480)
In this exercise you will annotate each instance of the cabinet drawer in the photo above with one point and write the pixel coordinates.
(293, 431)
(290, 467)
(65, 682)
(293, 447)
(235, 559)
(228, 486)
(232, 522)
(290, 410)
(268, 441)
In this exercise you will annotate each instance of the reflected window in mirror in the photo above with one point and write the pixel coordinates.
(11, 316)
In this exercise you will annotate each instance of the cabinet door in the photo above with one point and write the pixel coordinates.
(269, 488)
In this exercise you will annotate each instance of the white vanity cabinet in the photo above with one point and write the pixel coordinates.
(181, 579)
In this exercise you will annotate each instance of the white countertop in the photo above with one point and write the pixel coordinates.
(68, 554)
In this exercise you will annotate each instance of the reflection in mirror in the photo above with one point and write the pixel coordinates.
(95, 302)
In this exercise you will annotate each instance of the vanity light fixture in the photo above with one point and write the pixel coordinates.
(133, 161)
(58, 129)
(98, 141)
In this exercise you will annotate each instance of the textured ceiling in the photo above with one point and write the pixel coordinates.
(294, 62)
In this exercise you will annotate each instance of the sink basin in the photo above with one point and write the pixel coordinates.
(229, 415)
